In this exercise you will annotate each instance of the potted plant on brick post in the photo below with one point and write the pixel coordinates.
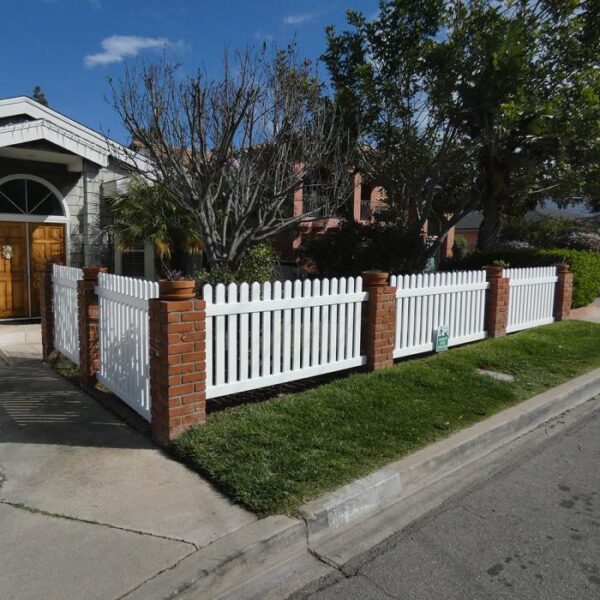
(176, 286)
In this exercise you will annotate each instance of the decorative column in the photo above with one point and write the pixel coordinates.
(380, 320)
(496, 307)
(46, 311)
(563, 293)
(177, 366)
(89, 323)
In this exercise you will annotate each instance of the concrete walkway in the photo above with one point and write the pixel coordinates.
(89, 508)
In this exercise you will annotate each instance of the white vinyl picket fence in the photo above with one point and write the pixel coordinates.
(262, 335)
(64, 299)
(531, 297)
(427, 302)
(124, 338)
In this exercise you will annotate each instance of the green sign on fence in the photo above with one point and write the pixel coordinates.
(441, 339)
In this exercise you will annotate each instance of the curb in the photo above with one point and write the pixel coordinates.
(365, 497)
(226, 567)
(228, 562)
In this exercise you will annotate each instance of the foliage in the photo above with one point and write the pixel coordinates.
(389, 76)
(528, 92)
(147, 212)
(173, 275)
(39, 96)
(260, 264)
(490, 104)
(232, 149)
(460, 247)
(275, 455)
(580, 240)
(356, 247)
(541, 234)
(585, 266)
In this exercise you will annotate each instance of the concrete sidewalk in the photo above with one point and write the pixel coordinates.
(89, 508)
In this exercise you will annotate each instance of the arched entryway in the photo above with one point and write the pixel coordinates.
(33, 232)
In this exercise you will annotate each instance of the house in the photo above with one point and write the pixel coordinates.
(54, 173)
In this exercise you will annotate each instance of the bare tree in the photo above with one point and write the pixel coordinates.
(234, 149)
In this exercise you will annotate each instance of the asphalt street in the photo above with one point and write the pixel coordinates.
(530, 530)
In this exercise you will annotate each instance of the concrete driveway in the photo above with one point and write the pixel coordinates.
(89, 508)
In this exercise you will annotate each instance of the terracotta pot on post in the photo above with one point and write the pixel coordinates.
(182, 289)
(375, 278)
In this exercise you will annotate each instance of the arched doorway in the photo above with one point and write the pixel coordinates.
(33, 232)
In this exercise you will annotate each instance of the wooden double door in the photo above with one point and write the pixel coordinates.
(25, 250)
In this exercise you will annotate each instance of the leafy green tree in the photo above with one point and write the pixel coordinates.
(489, 104)
(526, 90)
(147, 213)
(39, 96)
(389, 78)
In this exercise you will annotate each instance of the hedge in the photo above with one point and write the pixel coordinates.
(584, 265)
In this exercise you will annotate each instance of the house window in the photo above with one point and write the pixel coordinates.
(133, 262)
(28, 197)
(137, 262)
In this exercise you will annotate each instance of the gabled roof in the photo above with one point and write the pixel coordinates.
(43, 123)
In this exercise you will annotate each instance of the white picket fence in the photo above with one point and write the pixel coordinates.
(64, 299)
(426, 302)
(262, 335)
(531, 297)
(124, 338)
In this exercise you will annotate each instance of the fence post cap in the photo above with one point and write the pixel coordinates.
(562, 268)
(375, 278)
(493, 270)
(91, 273)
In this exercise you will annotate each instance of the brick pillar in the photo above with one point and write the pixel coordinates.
(563, 293)
(89, 322)
(380, 320)
(496, 306)
(177, 366)
(46, 311)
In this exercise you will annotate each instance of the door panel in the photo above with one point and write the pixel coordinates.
(47, 245)
(13, 271)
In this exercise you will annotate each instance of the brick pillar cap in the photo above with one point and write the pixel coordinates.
(375, 278)
(92, 272)
(562, 268)
(493, 270)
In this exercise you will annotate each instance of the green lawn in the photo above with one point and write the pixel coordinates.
(272, 457)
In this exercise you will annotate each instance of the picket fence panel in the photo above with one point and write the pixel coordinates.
(262, 335)
(428, 301)
(531, 297)
(124, 338)
(66, 321)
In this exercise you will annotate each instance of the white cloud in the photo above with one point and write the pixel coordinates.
(297, 19)
(117, 48)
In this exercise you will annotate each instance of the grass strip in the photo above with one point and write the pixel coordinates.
(273, 456)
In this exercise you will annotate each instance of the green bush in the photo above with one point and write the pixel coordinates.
(352, 248)
(584, 265)
(260, 264)
(461, 247)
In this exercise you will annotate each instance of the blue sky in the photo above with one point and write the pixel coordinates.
(71, 47)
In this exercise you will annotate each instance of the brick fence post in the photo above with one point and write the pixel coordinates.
(563, 293)
(496, 306)
(89, 323)
(46, 311)
(177, 366)
(380, 320)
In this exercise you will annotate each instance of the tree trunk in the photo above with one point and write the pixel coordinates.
(494, 200)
